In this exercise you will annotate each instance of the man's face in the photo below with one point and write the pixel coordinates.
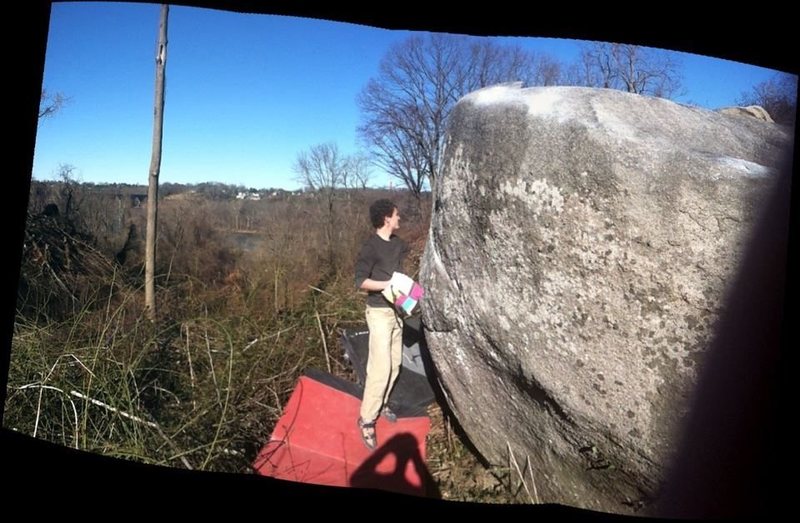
(394, 220)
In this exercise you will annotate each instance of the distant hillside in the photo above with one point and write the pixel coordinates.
(207, 190)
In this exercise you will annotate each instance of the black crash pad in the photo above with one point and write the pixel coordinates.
(412, 392)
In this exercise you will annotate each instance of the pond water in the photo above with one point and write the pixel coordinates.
(247, 241)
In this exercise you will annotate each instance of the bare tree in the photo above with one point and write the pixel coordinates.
(548, 71)
(358, 172)
(321, 168)
(324, 170)
(396, 144)
(406, 107)
(155, 167)
(778, 95)
(630, 68)
(69, 189)
(51, 103)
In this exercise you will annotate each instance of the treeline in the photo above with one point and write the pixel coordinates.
(197, 221)
(210, 190)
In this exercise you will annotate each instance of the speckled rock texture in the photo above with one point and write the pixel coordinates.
(580, 247)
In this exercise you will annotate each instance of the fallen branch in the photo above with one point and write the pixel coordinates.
(137, 419)
(211, 363)
(173, 446)
(533, 482)
(41, 388)
(112, 409)
(323, 292)
(324, 343)
(191, 368)
(224, 408)
(521, 475)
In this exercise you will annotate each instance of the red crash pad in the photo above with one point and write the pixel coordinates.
(317, 440)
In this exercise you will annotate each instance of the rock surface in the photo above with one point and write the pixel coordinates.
(580, 247)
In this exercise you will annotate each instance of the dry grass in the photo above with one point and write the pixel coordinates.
(203, 388)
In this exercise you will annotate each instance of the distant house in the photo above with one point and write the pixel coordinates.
(254, 196)
(280, 193)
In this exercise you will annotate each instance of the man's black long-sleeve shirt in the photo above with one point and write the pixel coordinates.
(377, 261)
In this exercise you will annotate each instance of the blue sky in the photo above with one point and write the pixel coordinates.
(245, 92)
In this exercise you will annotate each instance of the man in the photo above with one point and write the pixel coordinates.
(381, 255)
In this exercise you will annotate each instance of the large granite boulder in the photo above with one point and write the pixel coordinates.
(580, 247)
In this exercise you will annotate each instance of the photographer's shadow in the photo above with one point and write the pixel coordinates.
(404, 449)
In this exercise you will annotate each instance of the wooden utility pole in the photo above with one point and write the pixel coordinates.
(155, 168)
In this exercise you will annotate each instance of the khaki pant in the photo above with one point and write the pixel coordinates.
(385, 358)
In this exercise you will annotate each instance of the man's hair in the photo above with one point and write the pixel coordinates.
(379, 210)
